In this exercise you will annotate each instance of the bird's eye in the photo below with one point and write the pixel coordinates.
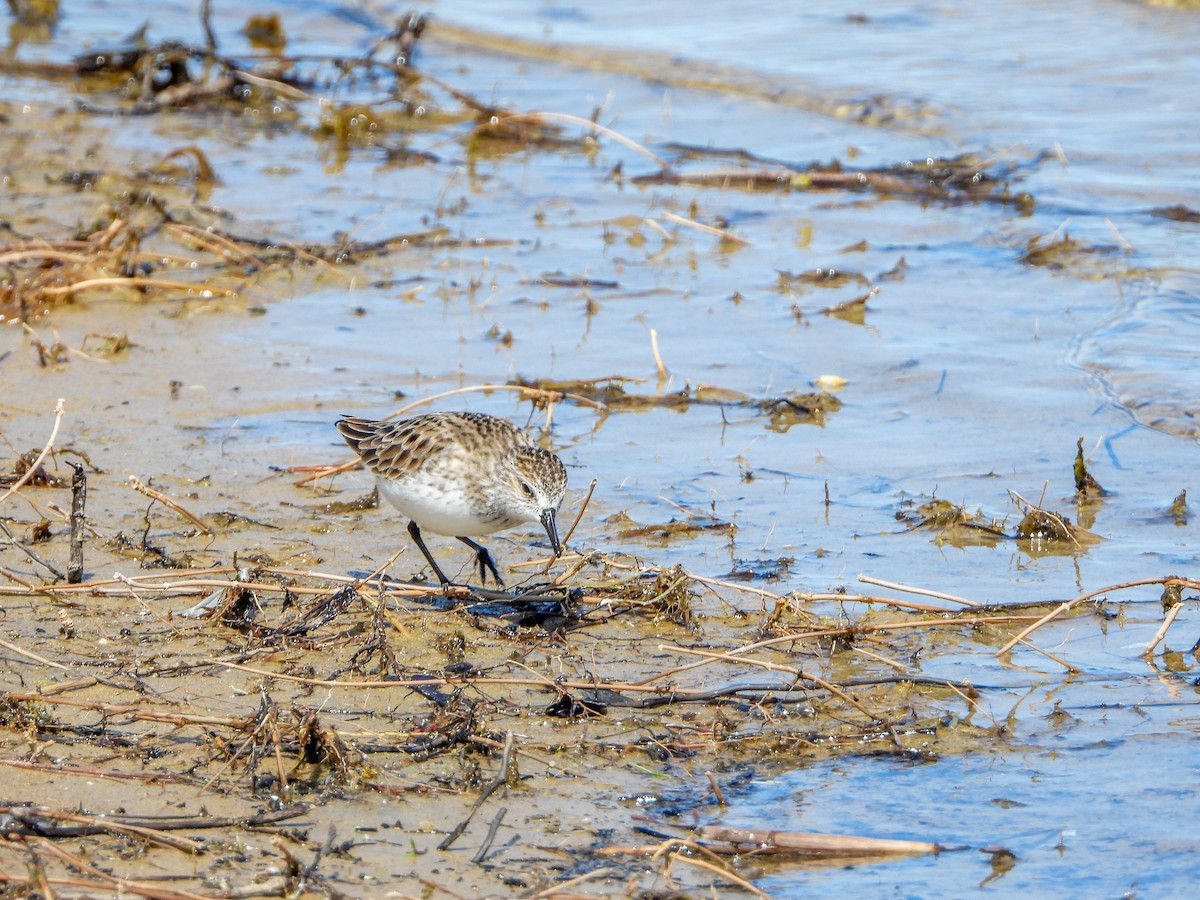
(527, 489)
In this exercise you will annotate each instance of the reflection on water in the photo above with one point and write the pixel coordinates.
(1146, 356)
(1033, 804)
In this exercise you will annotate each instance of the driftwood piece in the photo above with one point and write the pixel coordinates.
(813, 844)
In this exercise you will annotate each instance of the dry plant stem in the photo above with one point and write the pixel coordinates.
(265, 722)
(558, 890)
(1125, 245)
(582, 508)
(973, 704)
(570, 531)
(210, 36)
(662, 232)
(535, 757)
(65, 687)
(135, 281)
(28, 654)
(31, 253)
(271, 84)
(761, 593)
(499, 781)
(1068, 605)
(136, 484)
(30, 553)
(786, 639)
(800, 674)
(359, 583)
(878, 657)
(29, 588)
(490, 837)
(886, 601)
(700, 226)
(59, 409)
(819, 844)
(78, 501)
(719, 870)
(572, 570)
(878, 582)
(152, 835)
(486, 388)
(682, 694)
(1075, 670)
(215, 243)
(315, 472)
(717, 792)
(1162, 630)
(594, 126)
(199, 586)
(658, 360)
(137, 712)
(123, 886)
(735, 654)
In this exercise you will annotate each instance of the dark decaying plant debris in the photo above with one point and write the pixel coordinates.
(782, 412)
(285, 690)
(1085, 484)
(361, 684)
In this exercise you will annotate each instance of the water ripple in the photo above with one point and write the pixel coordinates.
(1146, 356)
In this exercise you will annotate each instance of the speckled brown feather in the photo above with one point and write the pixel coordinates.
(460, 474)
(397, 449)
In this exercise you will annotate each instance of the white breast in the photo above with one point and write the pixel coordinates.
(438, 506)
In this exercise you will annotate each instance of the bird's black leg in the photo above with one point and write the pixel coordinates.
(415, 533)
(485, 561)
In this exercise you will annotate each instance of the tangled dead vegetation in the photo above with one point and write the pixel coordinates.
(276, 692)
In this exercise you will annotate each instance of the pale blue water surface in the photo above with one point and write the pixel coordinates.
(972, 376)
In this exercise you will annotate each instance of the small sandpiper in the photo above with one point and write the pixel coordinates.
(462, 474)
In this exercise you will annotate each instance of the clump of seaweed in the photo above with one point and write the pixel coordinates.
(782, 412)
(951, 522)
(961, 179)
(1085, 484)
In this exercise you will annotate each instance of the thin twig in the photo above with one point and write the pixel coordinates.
(1162, 630)
(776, 667)
(136, 484)
(210, 37)
(59, 409)
(587, 123)
(658, 360)
(30, 553)
(135, 281)
(485, 388)
(1068, 605)
(722, 233)
(570, 531)
(1050, 656)
(719, 870)
(879, 582)
(29, 654)
(490, 837)
(717, 792)
(579, 515)
(499, 781)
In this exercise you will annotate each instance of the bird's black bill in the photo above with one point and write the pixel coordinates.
(551, 531)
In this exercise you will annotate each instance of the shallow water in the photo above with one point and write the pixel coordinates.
(972, 376)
